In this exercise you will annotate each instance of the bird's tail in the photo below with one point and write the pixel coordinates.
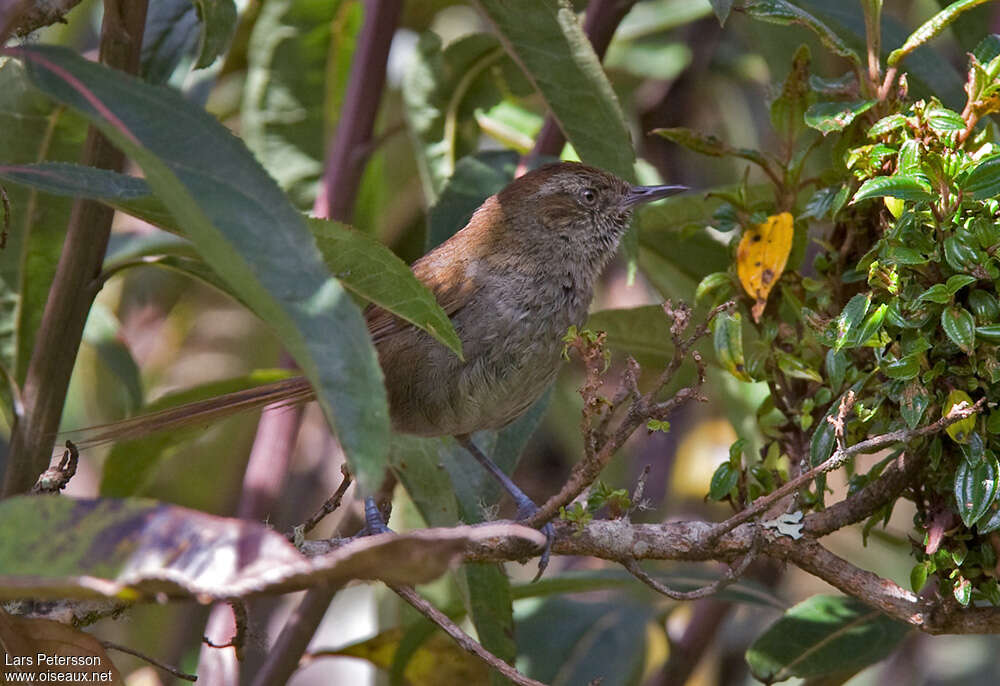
(291, 391)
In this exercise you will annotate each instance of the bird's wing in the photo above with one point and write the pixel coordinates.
(446, 279)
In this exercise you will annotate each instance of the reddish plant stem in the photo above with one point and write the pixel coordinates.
(77, 278)
(346, 157)
(349, 148)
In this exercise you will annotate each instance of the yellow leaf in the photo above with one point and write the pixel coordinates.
(761, 258)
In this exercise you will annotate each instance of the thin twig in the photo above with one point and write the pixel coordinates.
(639, 411)
(332, 503)
(957, 413)
(151, 660)
(464, 641)
(731, 576)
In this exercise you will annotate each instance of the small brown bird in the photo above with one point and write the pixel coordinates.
(519, 274)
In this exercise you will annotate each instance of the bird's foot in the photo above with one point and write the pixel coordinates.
(374, 524)
(526, 509)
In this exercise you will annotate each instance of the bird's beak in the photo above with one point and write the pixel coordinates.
(640, 195)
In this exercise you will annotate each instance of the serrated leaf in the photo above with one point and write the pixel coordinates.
(976, 487)
(246, 230)
(70, 180)
(960, 326)
(983, 180)
(830, 117)
(569, 77)
(899, 186)
(761, 257)
(785, 13)
(931, 28)
(887, 124)
(823, 636)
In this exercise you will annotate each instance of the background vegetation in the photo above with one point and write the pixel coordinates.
(846, 172)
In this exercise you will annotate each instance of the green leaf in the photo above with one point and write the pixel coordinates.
(604, 639)
(983, 180)
(824, 439)
(788, 109)
(913, 403)
(824, 636)
(724, 480)
(850, 320)
(957, 282)
(990, 332)
(795, 368)
(298, 58)
(441, 91)
(643, 332)
(218, 24)
(785, 13)
(976, 487)
(931, 28)
(70, 180)
(960, 327)
(984, 306)
(918, 575)
(962, 590)
(366, 267)
(247, 231)
(727, 337)
(938, 293)
(830, 117)
(887, 124)
(898, 186)
(707, 144)
(904, 368)
(476, 178)
(711, 283)
(32, 129)
(836, 367)
(943, 119)
(172, 33)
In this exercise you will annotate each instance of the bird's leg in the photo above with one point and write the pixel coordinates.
(374, 524)
(525, 505)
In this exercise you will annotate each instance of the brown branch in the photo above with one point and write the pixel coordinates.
(463, 640)
(77, 277)
(21, 17)
(839, 456)
(731, 576)
(173, 671)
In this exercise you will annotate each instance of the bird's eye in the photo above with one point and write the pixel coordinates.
(588, 196)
